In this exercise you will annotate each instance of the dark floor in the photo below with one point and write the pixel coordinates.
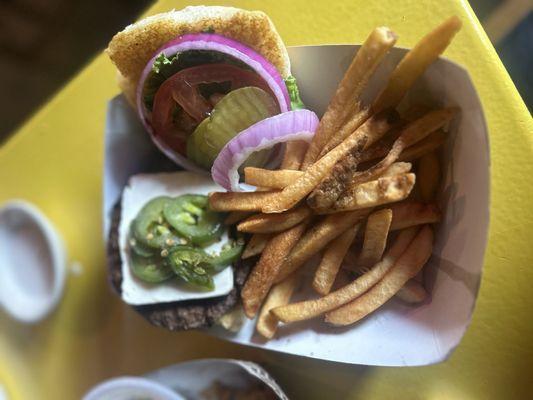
(44, 43)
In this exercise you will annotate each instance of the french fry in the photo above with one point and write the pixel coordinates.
(353, 123)
(273, 179)
(269, 223)
(411, 213)
(327, 192)
(410, 135)
(382, 147)
(415, 62)
(279, 295)
(313, 308)
(232, 320)
(240, 201)
(316, 238)
(429, 144)
(412, 292)
(376, 233)
(316, 172)
(415, 111)
(363, 66)
(375, 193)
(255, 245)
(294, 154)
(428, 173)
(331, 261)
(407, 266)
(262, 276)
(350, 260)
(343, 278)
(397, 168)
(236, 216)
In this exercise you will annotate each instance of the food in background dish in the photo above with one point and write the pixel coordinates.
(219, 391)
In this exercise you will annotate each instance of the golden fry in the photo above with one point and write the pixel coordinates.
(316, 238)
(429, 144)
(350, 260)
(415, 62)
(236, 216)
(412, 292)
(331, 260)
(413, 133)
(316, 172)
(353, 123)
(329, 190)
(363, 66)
(255, 245)
(428, 174)
(279, 295)
(313, 308)
(407, 266)
(382, 148)
(240, 201)
(375, 193)
(273, 179)
(411, 213)
(397, 168)
(415, 111)
(262, 276)
(269, 223)
(376, 233)
(294, 154)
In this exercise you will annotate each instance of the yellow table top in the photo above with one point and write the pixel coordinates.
(55, 161)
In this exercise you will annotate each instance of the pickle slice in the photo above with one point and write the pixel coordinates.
(236, 111)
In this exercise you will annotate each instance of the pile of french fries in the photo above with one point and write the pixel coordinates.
(351, 197)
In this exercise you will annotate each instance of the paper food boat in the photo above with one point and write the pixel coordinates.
(397, 334)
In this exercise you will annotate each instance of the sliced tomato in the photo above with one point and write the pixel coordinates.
(182, 89)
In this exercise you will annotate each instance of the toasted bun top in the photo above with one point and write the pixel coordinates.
(132, 48)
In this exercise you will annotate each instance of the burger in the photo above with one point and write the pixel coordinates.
(198, 77)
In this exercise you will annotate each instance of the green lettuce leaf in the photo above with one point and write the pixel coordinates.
(164, 67)
(294, 93)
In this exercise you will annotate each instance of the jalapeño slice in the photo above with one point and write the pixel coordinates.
(189, 264)
(150, 227)
(190, 217)
(137, 247)
(227, 256)
(150, 269)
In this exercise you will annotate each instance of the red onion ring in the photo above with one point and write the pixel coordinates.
(281, 128)
(214, 42)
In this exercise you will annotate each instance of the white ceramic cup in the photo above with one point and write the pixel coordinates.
(32, 262)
